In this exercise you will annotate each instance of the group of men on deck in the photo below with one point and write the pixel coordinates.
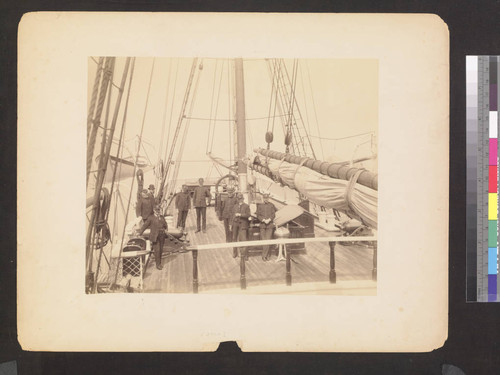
(201, 199)
(236, 216)
(234, 212)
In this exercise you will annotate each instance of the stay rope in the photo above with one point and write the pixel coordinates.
(135, 168)
(119, 154)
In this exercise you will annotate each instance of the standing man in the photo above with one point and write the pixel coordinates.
(241, 213)
(265, 213)
(227, 212)
(158, 226)
(146, 205)
(201, 194)
(151, 191)
(183, 204)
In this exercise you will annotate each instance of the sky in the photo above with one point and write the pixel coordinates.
(336, 98)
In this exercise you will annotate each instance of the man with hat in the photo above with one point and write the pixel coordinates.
(227, 212)
(157, 225)
(241, 213)
(151, 190)
(265, 213)
(183, 204)
(200, 196)
(146, 205)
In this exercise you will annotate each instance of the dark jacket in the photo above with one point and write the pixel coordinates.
(201, 193)
(241, 221)
(146, 206)
(183, 201)
(227, 207)
(155, 224)
(266, 211)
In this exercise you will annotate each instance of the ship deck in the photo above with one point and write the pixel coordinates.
(219, 272)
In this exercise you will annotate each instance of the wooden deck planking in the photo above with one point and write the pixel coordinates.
(217, 269)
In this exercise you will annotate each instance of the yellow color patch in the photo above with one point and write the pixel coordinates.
(492, 206)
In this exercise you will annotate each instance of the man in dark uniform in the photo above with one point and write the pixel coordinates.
(265, 213)
(201, 194)
(241, 213)
(227, 213)
(146, 205)
(151, 191)
(157, 225)
(183, 204)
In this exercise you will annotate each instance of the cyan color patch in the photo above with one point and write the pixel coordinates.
(492, 260)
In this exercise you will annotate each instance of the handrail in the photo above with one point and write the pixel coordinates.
(332, 241)
(284, 241)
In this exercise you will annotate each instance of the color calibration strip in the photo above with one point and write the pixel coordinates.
(483, 281)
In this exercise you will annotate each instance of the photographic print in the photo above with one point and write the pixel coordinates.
(232, 175)
(197, 169)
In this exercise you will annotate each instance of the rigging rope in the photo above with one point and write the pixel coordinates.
(217, 107)
(183, 140)
(292, 96)
(91, 231)
(93, 99)
(164, 119)
(97, 117)
(98, 228)
(270, 101)
(211, 106)
(314, 107)
(106, 119)
(135, 168)
(342, 138)
(171, 113)
(119, 153)
(308, 131)
(229, 110)
(276, 107)
(177, 129)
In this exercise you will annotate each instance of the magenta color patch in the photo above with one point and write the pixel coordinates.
(493, 151)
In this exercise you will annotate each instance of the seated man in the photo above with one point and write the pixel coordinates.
(265, 213)
(158, 226)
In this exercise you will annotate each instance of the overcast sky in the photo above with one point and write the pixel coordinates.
(337, 99)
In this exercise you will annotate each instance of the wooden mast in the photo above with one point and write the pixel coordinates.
(240, 124)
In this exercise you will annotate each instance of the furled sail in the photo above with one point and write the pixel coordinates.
(325, 191)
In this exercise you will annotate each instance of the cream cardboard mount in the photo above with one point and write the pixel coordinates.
(410, 310)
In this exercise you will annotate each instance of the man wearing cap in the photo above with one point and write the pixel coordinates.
(227, 212)
(241, 213)
(201, 194)
(265, 213)
(151, 191)
(183, 204)
(146, 205)
(157, 225)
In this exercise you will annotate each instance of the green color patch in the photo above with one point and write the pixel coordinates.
(492, 233)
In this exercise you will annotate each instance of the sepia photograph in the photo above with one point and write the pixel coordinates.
(232, 175)
(271, 188)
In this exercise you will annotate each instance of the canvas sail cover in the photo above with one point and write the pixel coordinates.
(329, 192)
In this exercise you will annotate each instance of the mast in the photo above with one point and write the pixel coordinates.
(240, 124)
